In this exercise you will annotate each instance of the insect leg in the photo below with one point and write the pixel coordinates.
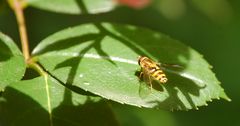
(140, 75)
(150, 82)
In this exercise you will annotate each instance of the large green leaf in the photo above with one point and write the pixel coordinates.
(12, 65)
(102, 59)
(73, 6)
(43, 101)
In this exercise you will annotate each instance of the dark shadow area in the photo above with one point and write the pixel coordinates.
(127, 116)
(30, 74)
(67, 43)
(90, 114)
(82, 7)
(218, 113)
(157, 86)
(17, 108)
(5, 52)
(185, 86)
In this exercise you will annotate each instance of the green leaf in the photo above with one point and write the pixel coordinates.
(12, 65)
(74, 6)
(102, 59)
(45, 102)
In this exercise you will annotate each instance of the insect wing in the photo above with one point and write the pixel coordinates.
(170, 65)
(145, 85)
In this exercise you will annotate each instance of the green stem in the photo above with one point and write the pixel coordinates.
(18, 10)
(36, 67)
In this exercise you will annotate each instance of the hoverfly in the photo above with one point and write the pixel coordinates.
(151, 70)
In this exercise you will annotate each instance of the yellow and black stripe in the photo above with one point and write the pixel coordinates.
(159, 75)
(152, 68)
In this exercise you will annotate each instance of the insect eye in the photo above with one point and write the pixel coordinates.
(139, 60)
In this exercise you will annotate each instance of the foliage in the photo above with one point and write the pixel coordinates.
(85, 66)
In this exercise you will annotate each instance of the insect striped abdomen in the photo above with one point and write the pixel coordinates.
(159, 75)
(152, 69)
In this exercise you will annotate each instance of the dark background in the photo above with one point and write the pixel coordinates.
(212, 28)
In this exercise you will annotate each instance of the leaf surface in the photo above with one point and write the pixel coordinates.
(43, 101)
(73, 6)
(102, 59)
(12, 65)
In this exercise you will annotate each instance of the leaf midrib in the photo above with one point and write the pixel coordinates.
(95, 56)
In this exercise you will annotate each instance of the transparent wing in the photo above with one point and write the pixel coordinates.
(165, 65)
(145, 85)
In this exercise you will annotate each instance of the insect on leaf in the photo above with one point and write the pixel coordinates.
(102, 59)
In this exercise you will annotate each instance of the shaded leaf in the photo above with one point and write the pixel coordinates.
(130, 116)
(12, 65)
(45, 102)
(102, 59)
(73, 6)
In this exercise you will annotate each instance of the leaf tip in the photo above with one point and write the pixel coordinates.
(223, 95)
(229, 99)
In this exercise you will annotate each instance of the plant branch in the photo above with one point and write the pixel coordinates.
(18, 10)
(36, 67)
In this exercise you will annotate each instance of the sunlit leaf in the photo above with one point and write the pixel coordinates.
(43, 101)
(73, 6)
(102, 59)
(12, 65)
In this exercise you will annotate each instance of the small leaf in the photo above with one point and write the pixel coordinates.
(45, 102)
(73, 6)
(102, 59)
(12, 65)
